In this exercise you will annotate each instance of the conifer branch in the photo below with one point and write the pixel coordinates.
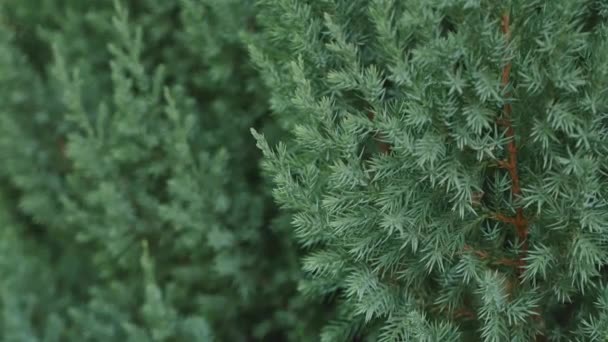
(504, 219)
(465, 313)
(484, 255)
(382, 146)
(519, 221)
(510, 164)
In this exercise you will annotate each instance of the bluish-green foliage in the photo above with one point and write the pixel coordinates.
(443, 164)
(406, 120)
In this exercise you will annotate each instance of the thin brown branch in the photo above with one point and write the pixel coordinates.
(504, 219)
(510, 164)
(509, 262)
(465, 313)
(484, 255)
(382, 146)
(480, 254)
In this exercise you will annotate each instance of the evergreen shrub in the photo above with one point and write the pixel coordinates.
(442, 165)
(447, 165)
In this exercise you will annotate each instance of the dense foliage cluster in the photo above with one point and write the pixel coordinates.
(448, 164)
(441, 169)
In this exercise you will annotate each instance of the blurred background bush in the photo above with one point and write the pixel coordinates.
(133, 208)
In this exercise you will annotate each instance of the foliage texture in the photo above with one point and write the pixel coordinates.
(447, 165)
(443, 164)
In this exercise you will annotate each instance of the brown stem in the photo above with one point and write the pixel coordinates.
(510, 164)
(382, 146)
(480, 254)
(504, 219)
(485, 255)
(465, 313)
(509, 262)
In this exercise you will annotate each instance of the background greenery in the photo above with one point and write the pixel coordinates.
(304, 170)
(134, 209)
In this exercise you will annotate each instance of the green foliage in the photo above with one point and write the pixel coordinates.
(398, 168)
(128, 147)
(443, 164)
(30, 283)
